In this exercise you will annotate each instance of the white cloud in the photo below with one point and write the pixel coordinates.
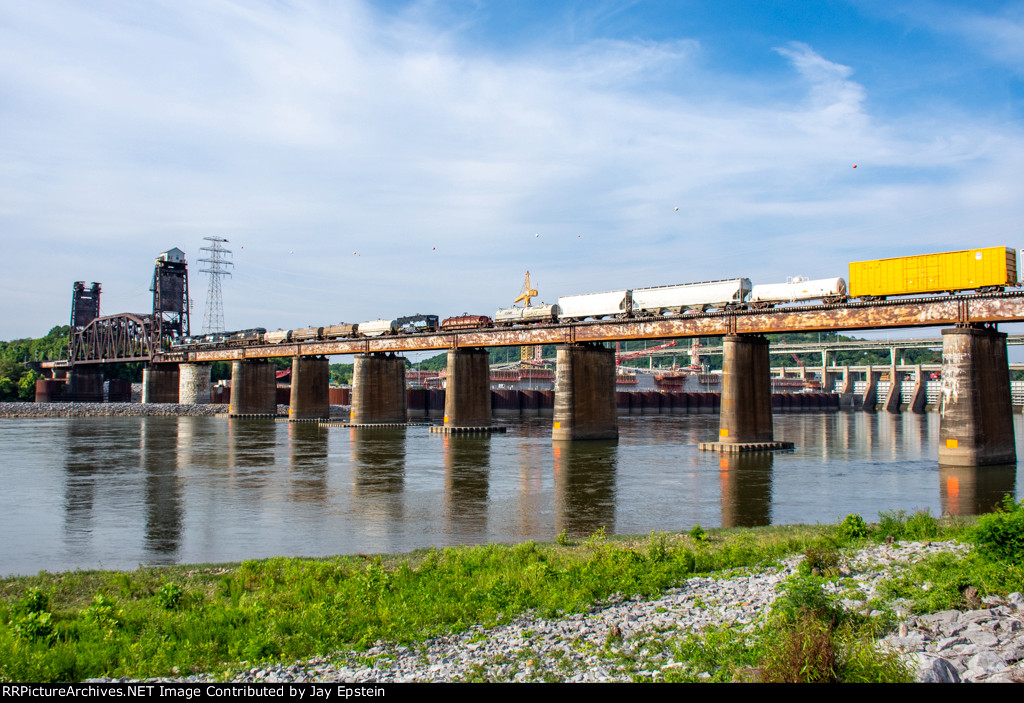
(328, 128)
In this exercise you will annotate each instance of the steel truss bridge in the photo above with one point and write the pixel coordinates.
(114, 338)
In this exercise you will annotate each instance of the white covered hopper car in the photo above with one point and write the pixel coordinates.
(690, 296)
(614, 303)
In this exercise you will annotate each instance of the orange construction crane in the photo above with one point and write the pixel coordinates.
(626, 356)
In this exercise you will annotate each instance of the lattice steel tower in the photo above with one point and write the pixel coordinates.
(213, 319)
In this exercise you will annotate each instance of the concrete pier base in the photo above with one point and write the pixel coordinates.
(378, 390)
(49, 390)
(194, 384)
(253, 388)
(869, 400)
(918, 397)
(585, 406)
(891, 404)
(467, 398)
(84, 385)
(160, 383)
(976, 425)
(846, 394)
(746, 409)
(311, 382)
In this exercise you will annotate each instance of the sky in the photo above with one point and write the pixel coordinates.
(379, 159)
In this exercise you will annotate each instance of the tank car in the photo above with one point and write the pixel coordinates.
(796, 289)
(277, 337)
(533, 314)
(377, 328)
(307, 334)
(337, 331)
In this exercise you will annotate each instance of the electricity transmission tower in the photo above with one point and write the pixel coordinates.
(213, 319)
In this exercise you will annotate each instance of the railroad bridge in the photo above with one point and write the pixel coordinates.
(976, 424)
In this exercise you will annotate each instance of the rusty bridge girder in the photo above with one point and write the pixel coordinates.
(918, 312)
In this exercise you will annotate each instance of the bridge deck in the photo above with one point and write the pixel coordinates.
(915, 312)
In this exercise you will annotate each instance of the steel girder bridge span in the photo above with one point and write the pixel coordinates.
(976, 426)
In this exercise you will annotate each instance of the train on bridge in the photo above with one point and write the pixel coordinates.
(985, 270)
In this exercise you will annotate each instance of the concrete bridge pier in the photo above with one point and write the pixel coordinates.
(467, 398)
(311, 382)
(976, 424)
(585, 406)
(829, 377)
(869, 400)
(84, 384)
(894, 396)
(253, 388)
(746, 410)
(160, 383)
(49, 390)
(378, 390)
(846, 393)
(918, 398)
(194, 384)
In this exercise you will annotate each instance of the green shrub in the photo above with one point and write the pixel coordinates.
(169, 596)
(697, 534)
(686, 560)
(35, 601)
(34, 625)
(806, 653)
(824, 558)
(810, 639)
(657, 547)
(1000, 535)
(853, 527)
(102, 611)
(598, 538)
(803, 595)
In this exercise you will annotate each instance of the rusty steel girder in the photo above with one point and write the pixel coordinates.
(920, 312)
(124, 337)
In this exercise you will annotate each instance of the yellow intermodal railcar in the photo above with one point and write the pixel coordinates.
(986, 270)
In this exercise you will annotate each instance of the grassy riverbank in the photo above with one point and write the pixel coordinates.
(208, 618)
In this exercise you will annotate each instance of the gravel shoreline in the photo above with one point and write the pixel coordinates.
(626, 640)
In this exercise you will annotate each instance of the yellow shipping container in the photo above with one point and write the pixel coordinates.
(971, 269)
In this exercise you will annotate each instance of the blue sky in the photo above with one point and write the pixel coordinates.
(379, 159)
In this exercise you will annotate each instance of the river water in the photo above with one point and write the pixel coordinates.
(112, 492)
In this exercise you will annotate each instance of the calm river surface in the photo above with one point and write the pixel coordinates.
(119, 492)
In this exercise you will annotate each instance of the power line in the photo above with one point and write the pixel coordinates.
(213, 319)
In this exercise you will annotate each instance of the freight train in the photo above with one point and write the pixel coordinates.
(984, 270)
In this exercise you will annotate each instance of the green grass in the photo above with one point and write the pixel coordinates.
(209, 618)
